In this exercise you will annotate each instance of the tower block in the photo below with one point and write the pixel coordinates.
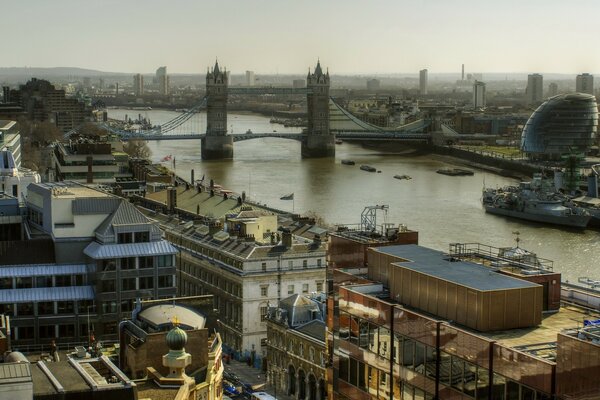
(319, 141)
(216, 145)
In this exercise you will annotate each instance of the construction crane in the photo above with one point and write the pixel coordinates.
(368, 217)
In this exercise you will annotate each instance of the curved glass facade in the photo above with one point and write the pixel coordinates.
(562, 124)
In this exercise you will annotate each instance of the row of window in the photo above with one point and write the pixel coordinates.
(130, 263)
(45, 308)
(201, 249)
(291, 289)
(133, 237)
(291, 264)
(212, 278)
(141, 283)
(28, 282)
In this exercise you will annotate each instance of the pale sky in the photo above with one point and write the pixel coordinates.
(284, 36)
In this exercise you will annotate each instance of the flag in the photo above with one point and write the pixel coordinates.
(287, 197)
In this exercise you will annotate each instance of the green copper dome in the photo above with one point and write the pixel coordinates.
(176, 338)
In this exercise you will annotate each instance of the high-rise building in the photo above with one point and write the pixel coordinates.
(423, 82)
(479, 94)
(584, 83)
(373, 84)
(162, 79)
(535, 87)
(462, 76)
(552, 89)
(250, 78)
(138, 84)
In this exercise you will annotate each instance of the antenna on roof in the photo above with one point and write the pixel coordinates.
(517, 239)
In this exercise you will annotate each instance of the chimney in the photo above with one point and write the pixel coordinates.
(286, 239)
(192, 177)
(171, 199)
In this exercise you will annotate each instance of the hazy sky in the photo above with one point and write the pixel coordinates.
(285, 36)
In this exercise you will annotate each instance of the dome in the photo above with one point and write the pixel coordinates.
(563, 124)
(176, 338)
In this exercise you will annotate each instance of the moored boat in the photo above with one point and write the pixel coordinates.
(368, 168)
(348, 162)
(454, 172)
(402, 177)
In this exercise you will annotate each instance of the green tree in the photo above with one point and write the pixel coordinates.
(137, 149)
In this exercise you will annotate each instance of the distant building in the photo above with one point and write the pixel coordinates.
(162, 79)
(562, 124)
(299, 83)
(423, 82)
(535, 86)
(373, 84)
(552, 89)
(250, 78)
(479, 94)
(584, 83)
(138, 84)
(41, 101)
(297, 359)
(85, 161)
(87, 82)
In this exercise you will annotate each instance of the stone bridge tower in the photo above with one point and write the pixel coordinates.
(319, 141)
(216, 145)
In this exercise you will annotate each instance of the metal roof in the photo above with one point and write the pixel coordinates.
(47, 294)
(14, 373)
(99, 251)
(16, 271)
(164, 314)
(439, 265)
(95, 205)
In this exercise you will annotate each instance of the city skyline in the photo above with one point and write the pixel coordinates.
(386, 37)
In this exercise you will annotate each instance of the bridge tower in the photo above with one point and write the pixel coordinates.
(319, 140)
(216, 145)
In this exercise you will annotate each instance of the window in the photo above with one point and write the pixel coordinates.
(67, 330)
(24, 282)
(290, 289)
(291, 264)
(65, 307)
(165, 261)
(25, 332)
(318, 262)
(304, 263)
(126, 305)
(7, 283)
(107, 265)
(109, 307)
(128, 284)
(84, 305)
(263, 312)
(62, 280)
(146, 262)
(146, 282)
(108, 285)
(264, 266)
(311, 354)
(128, 263)
(124, 238)
(264, 290)
(141, 237)
(319, 287)
(24, 309)
(305, 288)
(165, 281)
(47, 331)
(45, 308)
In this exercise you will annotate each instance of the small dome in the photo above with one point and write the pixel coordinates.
(176, 338)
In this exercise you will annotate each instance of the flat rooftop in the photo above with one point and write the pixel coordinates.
(6, 124)
(72, 189)
(441, 266)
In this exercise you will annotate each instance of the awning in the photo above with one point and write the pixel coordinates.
(99, 251)
(47, 294)
(9, 271)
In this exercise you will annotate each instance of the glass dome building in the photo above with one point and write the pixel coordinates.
(562, 124)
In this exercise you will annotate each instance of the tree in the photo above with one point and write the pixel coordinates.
(137, 149)
(91, 129)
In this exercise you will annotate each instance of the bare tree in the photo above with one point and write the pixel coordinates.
(91, 129)
(137, 149)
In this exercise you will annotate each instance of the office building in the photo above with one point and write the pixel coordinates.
(563, 124)
(535, 88)
(138, 84)
(162, 80)
(584, 83)
(468, 324)
(296, 353)
(41, 102)
(299, 83)
(250, 78)
(552, 89)
(479, 94)
(93, 255)
(10, 140)
(373, 84)
(241, 258)
(423, 82)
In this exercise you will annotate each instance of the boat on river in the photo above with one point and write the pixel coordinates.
(455, 172)
(407, 177)
(348, 162)
(368, 168)
(531, 201)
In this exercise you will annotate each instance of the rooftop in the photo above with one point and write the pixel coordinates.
(71, 189)
(6, 124)
(162, 315)
(439, 265)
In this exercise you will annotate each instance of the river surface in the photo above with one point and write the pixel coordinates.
(443, 209)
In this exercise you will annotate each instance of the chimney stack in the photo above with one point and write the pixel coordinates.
(286, 238)
(171, 199)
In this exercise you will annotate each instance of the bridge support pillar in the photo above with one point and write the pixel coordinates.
(316, 146)
(217, 147)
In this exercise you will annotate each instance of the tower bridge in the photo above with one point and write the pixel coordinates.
(327, 120)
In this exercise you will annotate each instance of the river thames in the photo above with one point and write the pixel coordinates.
(444, 209)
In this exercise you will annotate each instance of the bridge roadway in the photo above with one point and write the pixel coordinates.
(238, 137)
